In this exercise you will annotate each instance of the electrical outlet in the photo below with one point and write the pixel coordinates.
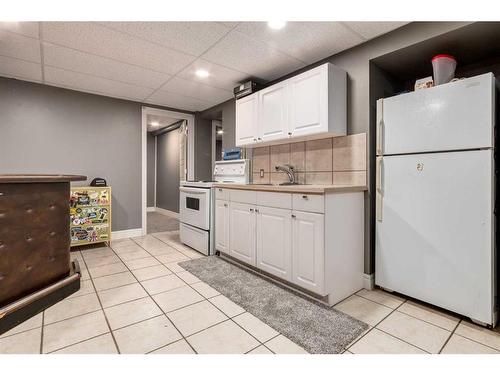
(261, 173)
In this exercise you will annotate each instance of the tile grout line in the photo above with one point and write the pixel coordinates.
(41, 332)
(207, 299)
(477, 342)
(404, 313)
(102, 309)
(150, 296)
(79, 342)
(449, 337)
(230, 318)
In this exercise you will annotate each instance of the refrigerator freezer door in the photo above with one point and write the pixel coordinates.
(455, 116)
(434, 239)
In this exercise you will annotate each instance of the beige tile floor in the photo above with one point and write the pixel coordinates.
(135, 298)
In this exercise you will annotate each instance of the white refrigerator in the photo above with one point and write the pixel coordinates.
(435, 197)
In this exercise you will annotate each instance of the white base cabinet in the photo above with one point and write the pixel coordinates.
(242, 232)
(274, 240)
(315, 242)
(222, 225)
(308, 251)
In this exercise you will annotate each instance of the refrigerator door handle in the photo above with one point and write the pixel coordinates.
(379, 187)
(380, 127)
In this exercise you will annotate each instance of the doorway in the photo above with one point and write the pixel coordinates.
(168, 151)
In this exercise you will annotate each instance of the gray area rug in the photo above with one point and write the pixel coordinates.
(161, 223)
(312, 325)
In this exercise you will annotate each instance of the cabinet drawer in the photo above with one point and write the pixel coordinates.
(243, 196)
(278, 200)
(309, 202)
(221, 193)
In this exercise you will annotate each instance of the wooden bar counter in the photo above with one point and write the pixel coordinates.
(35, 267)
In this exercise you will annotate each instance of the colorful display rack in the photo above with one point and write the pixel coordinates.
(90, 215)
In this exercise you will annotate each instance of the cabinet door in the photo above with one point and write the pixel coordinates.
(222, 225)
(273, 112)
(308, 251)
(274, 240)
(242, 232)
(309, 102)
(246, 120)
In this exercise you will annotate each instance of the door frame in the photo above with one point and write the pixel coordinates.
(190, 152)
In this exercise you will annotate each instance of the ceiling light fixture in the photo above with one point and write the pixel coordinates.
(155, 123)
(220, 131)
(276, 25)
(202, 73)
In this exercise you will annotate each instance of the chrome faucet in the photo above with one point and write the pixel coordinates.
(288, 169)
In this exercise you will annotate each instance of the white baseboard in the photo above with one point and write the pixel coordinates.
(369, 281)
(150, 209)
(128, 233)
(167, 212)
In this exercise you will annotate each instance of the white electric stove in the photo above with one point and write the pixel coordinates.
(197, 204)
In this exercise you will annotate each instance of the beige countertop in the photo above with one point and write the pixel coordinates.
(301, 189)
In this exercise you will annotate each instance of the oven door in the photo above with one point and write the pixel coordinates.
(194, 207)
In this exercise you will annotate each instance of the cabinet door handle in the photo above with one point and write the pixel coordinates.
(293, 216)
(257, 210)
(289, 133)
(255, 139)
(259, 139)
(305, 197)
(220, 189)
(225, 204)
(251, 210)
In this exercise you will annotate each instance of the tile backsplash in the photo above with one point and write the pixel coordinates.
(338, 161)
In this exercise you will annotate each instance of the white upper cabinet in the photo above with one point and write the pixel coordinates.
(273, 112)
(246, 120)
(309, 102)
(309, 105)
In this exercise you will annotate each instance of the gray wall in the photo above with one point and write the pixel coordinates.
(203, 149)
(167, 171)
(203, 135)
(45, 129)
(151, 170)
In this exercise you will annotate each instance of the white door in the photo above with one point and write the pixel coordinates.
(222, 225)
(273, 112)
(434, 229)
(308, 252)
(274, 241)
(454, 116)
(309, 102)
(242, 232)
(246, 120)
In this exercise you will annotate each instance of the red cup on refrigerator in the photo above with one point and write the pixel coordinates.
(443, 67)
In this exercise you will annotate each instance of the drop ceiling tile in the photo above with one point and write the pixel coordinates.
(94, 38)
(238, 51)
(197, 90)
(189, 37)
(21, 69)
(24, 28)
(171, 100)
(82, 62)
(19, 46)
(88, 83)
(371, 30)
(220, 76)
(306, 41)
